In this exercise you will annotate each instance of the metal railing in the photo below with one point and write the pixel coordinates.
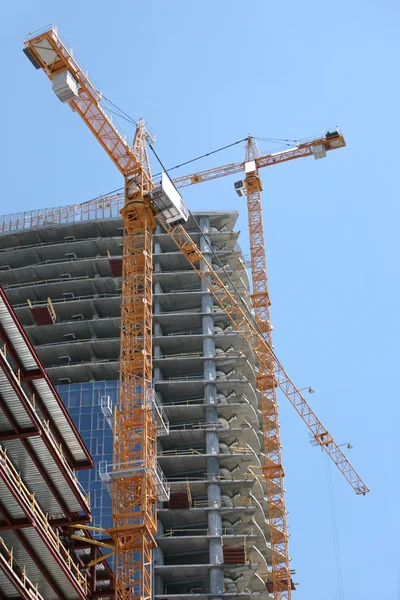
(187, 402)
(79, 341)
(182, 355)
(10, 286)
(57, 447)
(198, 376)
(63, 299)
(63, 261)
(246, 476)
(187, 452)
(100, 208)
(19, 571)
(161, 419)
(197, 331)
(41, 522)
(222, 531)
(193, 451)
(238, 502)
(108, 472)
(201, 425)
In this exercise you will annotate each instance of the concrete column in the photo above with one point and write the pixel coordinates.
(157, 374)
(156, 265)
(157, 328)
(157, 353)
(157, 305)
(212, 440)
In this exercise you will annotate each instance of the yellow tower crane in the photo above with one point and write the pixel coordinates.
(135, 478)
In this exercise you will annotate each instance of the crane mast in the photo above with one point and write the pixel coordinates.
(273, 470)
(134, 475)
(134, 497)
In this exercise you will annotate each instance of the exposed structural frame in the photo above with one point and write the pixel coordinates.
(134, 498)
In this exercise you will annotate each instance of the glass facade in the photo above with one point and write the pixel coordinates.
(83, 401)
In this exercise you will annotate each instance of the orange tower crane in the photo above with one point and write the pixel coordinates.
(135, 478)
(281, 584)
(134, 497)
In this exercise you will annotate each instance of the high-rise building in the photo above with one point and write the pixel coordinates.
(61, 269)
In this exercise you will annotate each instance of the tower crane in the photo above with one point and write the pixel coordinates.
(134, 489)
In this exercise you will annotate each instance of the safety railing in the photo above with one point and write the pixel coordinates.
(79, 341)
(200, 354)
(207, 479)
(198, 376)
(19, 572)
(238, 502)
(221, 531)
(193, 451)
(55, 261)
(188, 311)
(37, 303)
(101, 208)
(182, 355)
(189, 426)
(161, 419)
(163, 488)
(41, 522)
(197, 331)
(60, 452)
(82, 362)
(108, 472)
(186, 402)
(185, 290)
(10, 286)
(57, 447)
(187, 452)
(53, 243)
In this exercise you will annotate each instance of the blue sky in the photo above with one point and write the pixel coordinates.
(205, 74)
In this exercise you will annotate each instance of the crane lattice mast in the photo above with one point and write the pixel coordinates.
(273, 469)
(134, 475)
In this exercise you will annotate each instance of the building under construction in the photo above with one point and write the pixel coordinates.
(142, 315)
(61, 270)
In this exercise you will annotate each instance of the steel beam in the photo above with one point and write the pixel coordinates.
(32, 554)
(38, 425)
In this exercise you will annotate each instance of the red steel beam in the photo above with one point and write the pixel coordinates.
(89, 461)
(29, 513)
(26, 592)
(5, 436)
(23, 523)
(33, 555)
(33, 416)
